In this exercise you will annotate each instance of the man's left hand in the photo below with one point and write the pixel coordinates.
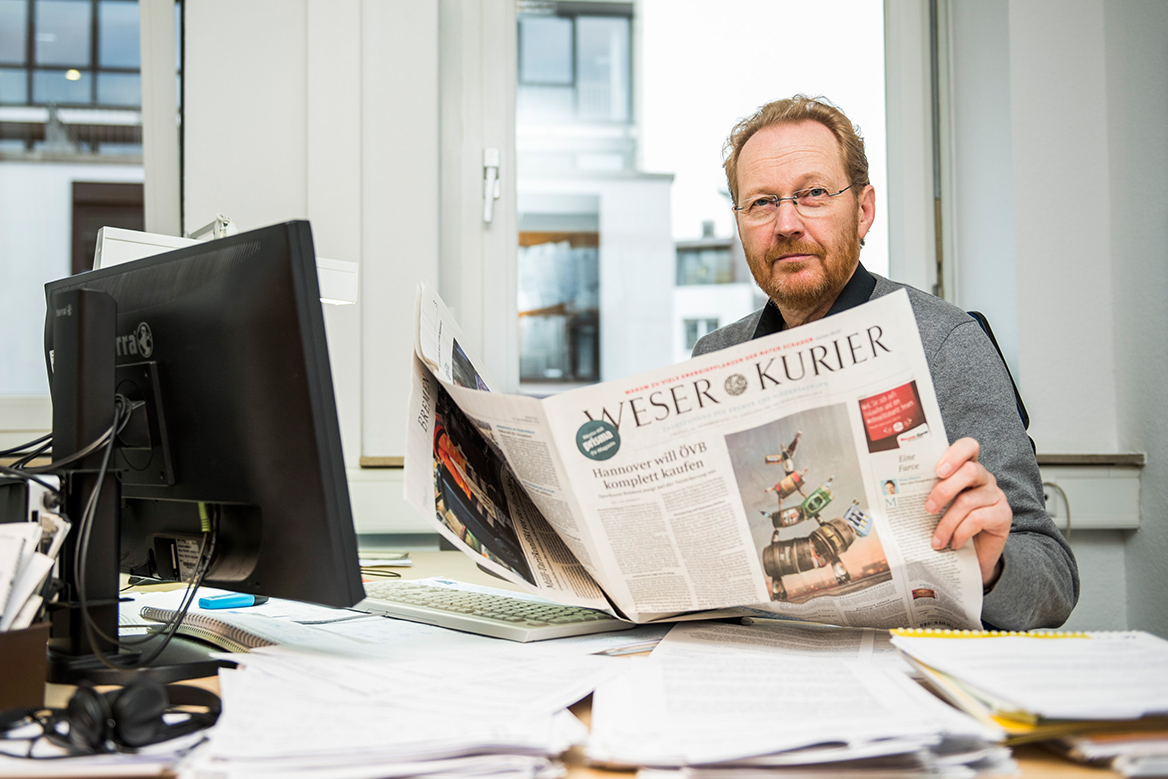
(977, 507)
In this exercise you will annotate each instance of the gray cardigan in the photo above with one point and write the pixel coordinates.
(1039, 584)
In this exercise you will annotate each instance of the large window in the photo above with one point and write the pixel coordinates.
(621, 113)
(70, 162)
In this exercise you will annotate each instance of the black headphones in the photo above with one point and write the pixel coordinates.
(129, 718)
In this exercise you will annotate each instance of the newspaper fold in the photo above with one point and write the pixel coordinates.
(787, 474)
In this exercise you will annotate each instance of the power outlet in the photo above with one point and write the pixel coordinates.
(1056, 505)
(1048, 497)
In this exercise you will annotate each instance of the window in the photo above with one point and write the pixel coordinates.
(69, 53)
(707, 261)
(626, 129)
(574, 66)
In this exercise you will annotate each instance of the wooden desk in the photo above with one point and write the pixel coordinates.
(1034, 761)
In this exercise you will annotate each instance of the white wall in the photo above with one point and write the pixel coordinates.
(1059, 108)
(1062, 222)
(328, 111)
(292, 113)
(1136, 109)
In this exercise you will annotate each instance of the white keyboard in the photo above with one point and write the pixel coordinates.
(500, 616)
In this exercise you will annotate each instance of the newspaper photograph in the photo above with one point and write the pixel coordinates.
(786, 475)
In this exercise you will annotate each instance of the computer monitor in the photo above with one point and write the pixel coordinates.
(220, 347)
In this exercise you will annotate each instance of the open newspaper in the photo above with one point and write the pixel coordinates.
(787, 474)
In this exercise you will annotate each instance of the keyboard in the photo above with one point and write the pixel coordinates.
(487, 614)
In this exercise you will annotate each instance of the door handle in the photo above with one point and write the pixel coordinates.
(492, 189)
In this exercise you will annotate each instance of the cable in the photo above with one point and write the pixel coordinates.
(17, 451)
(48, 720)
(123, 410)
(19, 473)
(168, 629)
(26, 459)
(80, 559)
(106, 439)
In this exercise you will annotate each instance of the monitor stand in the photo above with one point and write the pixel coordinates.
(183, 658)
(84, 326)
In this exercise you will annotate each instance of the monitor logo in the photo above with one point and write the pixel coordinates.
(141, 343)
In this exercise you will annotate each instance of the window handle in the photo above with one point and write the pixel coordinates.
(491, 187)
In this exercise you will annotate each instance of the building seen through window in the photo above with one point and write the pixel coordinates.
(575, 141)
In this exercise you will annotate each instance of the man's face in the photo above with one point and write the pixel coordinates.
(801, 262)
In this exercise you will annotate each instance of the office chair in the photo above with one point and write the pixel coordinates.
(980, 318)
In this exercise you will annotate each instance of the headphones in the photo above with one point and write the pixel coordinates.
(129, 718)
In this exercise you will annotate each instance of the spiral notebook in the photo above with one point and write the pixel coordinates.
(238, 632)
(1042, 684)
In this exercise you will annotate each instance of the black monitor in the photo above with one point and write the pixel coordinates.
(220, 351)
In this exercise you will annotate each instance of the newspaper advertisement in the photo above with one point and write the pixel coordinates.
(787, 475)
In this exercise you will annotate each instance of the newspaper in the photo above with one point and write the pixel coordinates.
(787, 474)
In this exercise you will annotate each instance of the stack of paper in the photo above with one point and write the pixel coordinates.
(496, 708)
(723, 695)
(27, 553)
(1104, 696)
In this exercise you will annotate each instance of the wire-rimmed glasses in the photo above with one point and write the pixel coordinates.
(810, 202)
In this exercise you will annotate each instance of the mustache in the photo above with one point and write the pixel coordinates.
(794, 247)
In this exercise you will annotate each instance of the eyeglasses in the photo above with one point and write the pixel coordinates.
(810, 202)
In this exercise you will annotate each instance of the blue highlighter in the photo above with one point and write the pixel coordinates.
(231, 600)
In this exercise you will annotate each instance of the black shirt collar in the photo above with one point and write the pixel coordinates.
(858, 290)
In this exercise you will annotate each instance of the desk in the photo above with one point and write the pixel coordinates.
(1034, 761)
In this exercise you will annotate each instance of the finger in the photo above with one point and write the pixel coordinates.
(959, 452)
(973, 523)
(952, 529)
(969, 476)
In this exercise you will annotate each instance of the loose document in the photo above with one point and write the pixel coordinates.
(718, 694)
(28, 551)
(497, 708)
(788, 474)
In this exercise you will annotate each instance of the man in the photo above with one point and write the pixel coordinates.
(798, 177)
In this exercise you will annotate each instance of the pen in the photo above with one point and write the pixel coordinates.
(630, 649)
